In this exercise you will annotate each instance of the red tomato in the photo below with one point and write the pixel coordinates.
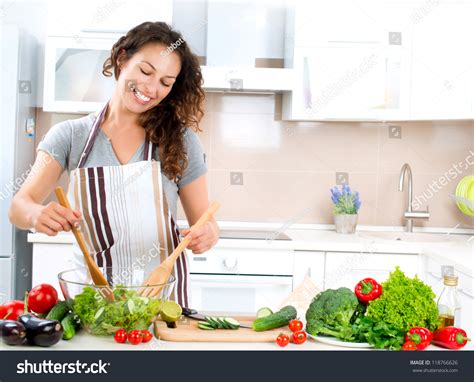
(295, 325)
(42, 298)
(282, 340)
(11, 310)
(120, 336)
(147, 336)
(409, 346)
(299, 337)
(135, 337)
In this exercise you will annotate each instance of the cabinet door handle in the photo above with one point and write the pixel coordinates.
(465, 292)
(435, 275)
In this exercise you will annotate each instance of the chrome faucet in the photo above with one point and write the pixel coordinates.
(409, 214)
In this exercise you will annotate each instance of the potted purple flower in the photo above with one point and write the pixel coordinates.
(346, 207)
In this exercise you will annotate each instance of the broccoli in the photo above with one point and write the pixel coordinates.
(330, 314)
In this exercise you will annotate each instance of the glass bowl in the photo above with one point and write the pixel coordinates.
(129, 309)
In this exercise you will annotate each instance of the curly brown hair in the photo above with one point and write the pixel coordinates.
(166, 123)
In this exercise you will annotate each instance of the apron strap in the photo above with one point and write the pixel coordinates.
(92, 136)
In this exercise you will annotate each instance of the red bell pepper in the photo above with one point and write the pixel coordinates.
(367, 290)
(451, 338)
(421, 337)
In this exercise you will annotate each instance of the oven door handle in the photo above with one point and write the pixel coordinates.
(242, 279)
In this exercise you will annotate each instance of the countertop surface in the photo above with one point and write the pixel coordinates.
(84, 341)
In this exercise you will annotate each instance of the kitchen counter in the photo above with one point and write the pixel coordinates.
(84, 341)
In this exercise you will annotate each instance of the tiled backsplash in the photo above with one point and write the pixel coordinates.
(289, 167)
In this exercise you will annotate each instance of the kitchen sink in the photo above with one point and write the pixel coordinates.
(407, 237)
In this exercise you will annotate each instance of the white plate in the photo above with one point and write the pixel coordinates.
(337, 342)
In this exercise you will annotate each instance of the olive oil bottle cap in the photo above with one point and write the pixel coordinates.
(450, 280)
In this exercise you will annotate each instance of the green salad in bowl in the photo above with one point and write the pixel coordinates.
(128, 310)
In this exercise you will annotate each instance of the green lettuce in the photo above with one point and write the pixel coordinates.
(405, 303)
(129, 310)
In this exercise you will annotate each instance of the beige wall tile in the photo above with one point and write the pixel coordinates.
(426, 146)
(243, 103)
(257, 142)
(282, 197)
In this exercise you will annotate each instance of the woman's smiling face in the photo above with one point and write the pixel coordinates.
(147, 77)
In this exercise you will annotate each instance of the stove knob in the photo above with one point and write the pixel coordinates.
(230, 262)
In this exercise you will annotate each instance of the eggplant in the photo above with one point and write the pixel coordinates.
(41, 332)
(12, 332)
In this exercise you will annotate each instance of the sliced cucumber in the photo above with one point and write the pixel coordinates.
(212, 322)
(205, 326)
(264, 312)
(232, 323)
(222, 323)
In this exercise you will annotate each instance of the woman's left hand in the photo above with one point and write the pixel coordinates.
(203, 238)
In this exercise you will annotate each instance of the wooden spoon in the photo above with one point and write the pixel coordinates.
(162, 272)
(97, 276)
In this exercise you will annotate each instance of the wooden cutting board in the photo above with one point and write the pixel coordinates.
(188, 331)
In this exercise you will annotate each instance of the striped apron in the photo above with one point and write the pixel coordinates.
(126, 222)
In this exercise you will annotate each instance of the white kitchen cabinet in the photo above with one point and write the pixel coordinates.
(443, 63)
(49, 260)
(346, 269)
(309, 262)
(349, 65)
(96, 18)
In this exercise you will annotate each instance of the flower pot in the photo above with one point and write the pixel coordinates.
(345, 223)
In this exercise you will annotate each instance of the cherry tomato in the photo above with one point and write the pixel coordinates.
(120, 336)
(299, 337)
(135, 337)
(147, 336)
(295, 325)
(409, 346)
(42, 298)
(11, 310)
(282, 340)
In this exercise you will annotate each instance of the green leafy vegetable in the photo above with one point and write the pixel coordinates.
(405, 303)
(330, 313)
(379, 334)
(129, 311)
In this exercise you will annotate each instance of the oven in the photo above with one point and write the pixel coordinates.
(240, 277)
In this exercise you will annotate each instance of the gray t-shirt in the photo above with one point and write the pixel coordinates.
(65, 141)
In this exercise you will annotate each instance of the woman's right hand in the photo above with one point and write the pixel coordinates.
(54, 218)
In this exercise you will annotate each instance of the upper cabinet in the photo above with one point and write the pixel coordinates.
(380, 60)
(103, 17)
(351, 61)
(443, 62)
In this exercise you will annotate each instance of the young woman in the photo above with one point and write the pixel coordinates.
(129, 162)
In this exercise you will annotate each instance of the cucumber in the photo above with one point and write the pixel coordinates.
(275, 320)
(205, 326)
(59, 311)
(232, 323)
(212, 322)
(264, 312)
(70, 324)
(222, 323)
